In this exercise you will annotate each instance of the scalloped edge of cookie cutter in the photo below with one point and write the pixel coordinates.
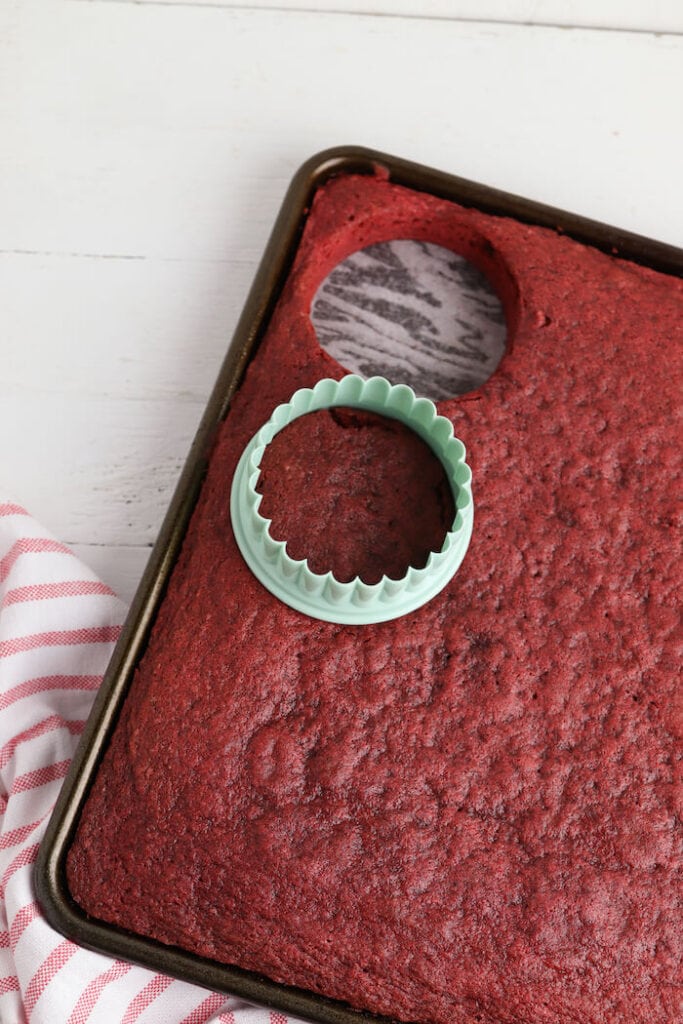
(321, 595)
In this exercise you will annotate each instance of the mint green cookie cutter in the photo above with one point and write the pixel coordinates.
(321, 595)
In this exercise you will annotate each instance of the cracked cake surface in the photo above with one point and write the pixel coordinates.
(469, 813)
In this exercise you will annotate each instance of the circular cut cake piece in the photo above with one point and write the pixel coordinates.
(355, 493)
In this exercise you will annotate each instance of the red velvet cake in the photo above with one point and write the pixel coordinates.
(469, 813)
(373, 500)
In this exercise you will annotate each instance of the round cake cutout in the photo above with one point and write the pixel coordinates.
(376, 502)
(352, 600)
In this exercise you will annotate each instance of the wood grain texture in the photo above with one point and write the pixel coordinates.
(619, 15)
(146, 150)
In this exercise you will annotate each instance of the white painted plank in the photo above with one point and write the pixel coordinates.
(141, 330)
(629, 15)
(186, 152)
(94, 469)
(109, 368)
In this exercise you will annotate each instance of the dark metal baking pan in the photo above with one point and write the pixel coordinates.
(50, 877)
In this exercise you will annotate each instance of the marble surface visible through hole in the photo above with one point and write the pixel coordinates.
(415, 313)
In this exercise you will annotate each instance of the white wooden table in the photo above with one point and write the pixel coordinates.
(145, 149)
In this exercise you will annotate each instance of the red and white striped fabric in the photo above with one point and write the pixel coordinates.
(58, 624)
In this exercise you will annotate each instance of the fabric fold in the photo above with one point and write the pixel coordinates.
(58, 626)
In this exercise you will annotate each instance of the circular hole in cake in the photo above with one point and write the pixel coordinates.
(356, 493)
(413, 312)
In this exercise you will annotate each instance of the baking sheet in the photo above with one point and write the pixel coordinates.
(50, 877)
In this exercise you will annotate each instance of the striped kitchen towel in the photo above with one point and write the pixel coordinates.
(58, 624)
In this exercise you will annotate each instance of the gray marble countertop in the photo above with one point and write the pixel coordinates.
(415, 313)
